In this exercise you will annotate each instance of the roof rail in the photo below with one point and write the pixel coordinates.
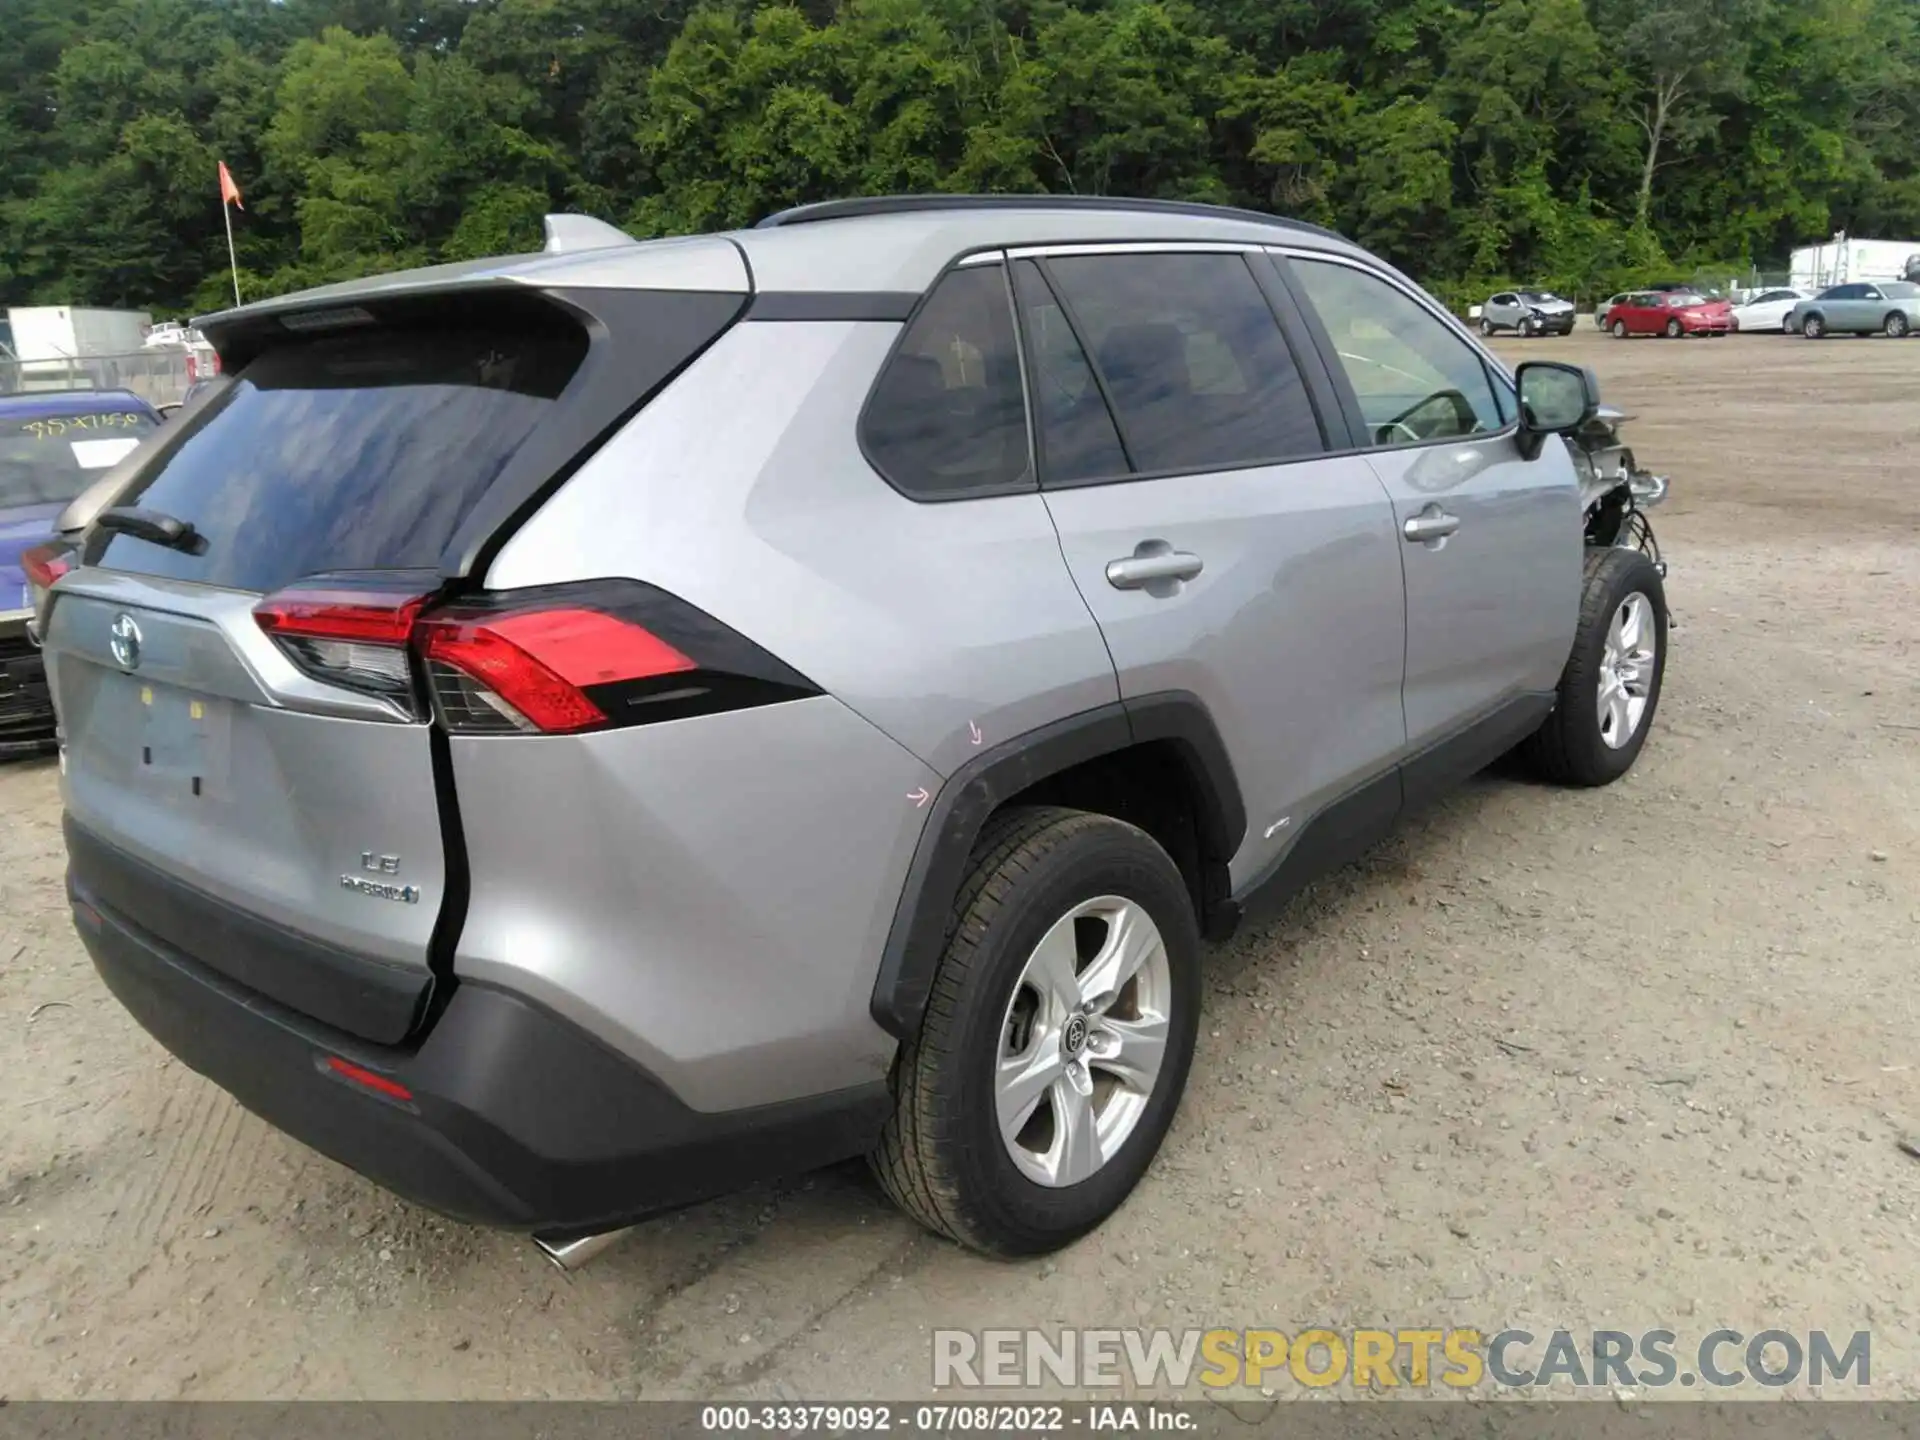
(567, 234)
(922, 204)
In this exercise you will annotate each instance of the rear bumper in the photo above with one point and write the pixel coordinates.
(506, 1115)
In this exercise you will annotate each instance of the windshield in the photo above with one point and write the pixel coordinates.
(1900, 290)
(1538, 297)
(1681, 301)
(48, 461)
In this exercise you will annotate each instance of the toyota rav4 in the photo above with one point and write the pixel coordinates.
(567, 735)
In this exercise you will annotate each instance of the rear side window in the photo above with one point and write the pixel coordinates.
(1193, 360)
(947, 419)
(359, 450)
(1414, 378)
(49, 459)
(1078, 440)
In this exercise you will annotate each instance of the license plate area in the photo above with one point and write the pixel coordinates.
(168, 740)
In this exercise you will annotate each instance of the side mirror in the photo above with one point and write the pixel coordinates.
(169, 410)
(1555, 399)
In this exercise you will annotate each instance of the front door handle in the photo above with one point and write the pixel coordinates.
(1152, 560)
(1429, 525)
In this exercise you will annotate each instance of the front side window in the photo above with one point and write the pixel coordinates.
(1193, 360)
(947, 419)
(1414, 378)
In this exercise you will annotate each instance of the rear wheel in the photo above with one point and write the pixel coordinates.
(1057, 1039)
(1611, 685)
(1896, 325)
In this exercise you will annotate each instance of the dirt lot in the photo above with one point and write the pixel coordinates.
(1636, 1058)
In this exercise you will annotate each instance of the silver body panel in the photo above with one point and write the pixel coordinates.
(706, 896)
(952, 627)
(1293, 635)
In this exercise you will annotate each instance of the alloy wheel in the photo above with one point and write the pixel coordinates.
(1083, 1040)
(1627, 670)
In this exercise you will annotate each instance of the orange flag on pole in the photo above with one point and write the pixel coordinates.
(229, 192)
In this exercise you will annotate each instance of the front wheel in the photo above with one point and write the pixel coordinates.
(1673, 330)
(1056, 1041)
(1526, 329)
(1610, 689)
(1896, 326)
(1486, 326)
(1814, 328)
(1619, 329)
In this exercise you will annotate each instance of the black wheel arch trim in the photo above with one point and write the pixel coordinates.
(918, 934)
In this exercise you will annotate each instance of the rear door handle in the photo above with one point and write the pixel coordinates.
(1152, 560)
(1429, 525)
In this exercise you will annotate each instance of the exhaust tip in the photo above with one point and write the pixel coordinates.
(571, 1255)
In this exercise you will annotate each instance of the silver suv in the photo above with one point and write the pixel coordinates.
(570, 734)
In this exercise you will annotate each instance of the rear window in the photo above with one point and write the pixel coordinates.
(49, 459)
(358, 450)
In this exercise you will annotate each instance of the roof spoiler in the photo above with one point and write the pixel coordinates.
(569, 234)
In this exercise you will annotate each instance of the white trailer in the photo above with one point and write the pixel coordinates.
(73, 332)
(1845, 258)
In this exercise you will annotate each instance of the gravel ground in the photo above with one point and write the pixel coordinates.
(1637, 1058)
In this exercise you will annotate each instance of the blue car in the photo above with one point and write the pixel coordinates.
(52, 446)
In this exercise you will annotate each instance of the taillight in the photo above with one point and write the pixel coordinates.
(349, 630)
(569, 658)
(550, 661)
(45, 564)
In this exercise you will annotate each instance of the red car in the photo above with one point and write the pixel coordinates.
(1670, 313)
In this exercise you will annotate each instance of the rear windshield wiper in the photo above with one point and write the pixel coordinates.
(153, 525)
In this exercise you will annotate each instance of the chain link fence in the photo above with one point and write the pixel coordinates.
(160, 377)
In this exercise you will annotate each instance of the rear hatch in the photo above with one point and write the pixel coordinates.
(250, 771)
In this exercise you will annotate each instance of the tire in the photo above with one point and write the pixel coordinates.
(1674, 331)
(1486, 326)
(1619, 329)
(1526, 329)
(1571, 747)
(1814, 328)
(1786, 325)
(942, 1157)
(1896, 326)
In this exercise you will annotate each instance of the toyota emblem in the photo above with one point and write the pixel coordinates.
(124, 640)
